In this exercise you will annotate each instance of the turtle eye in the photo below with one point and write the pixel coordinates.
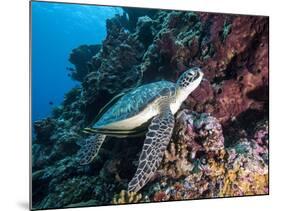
(196, 76)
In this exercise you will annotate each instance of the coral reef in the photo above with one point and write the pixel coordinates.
(220, 142)
(211, 170)
(43, 129)
(247, 173)
(80, 57)
(196, 136)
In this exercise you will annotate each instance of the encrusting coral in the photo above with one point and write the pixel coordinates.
(220, 142)
(211, 170)
(247, 172)
(197, 134)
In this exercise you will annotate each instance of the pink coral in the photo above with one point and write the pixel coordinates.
(197, 164)
(196, 134)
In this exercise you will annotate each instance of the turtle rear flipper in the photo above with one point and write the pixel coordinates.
(90, 148)
(156, 141)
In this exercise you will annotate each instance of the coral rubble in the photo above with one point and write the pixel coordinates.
(220, 142)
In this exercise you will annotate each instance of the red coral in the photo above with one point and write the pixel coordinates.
(239, 68)
(160, 196)
(166, 45)
(202, 133)
(200, 97)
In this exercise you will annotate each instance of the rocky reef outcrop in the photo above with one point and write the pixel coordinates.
(220, 143)
(80, 58)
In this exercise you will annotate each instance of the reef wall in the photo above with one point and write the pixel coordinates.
(220, 144)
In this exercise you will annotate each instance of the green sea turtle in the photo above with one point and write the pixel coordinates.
(150, 107)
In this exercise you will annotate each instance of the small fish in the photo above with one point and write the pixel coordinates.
(51, 103)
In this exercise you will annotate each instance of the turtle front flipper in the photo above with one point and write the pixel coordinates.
(156, 141)
(90, 148)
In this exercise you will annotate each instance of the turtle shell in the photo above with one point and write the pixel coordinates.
(133, 102)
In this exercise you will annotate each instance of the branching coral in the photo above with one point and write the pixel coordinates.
(125, 197)
(177, 163)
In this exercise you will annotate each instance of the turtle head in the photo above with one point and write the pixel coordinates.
(189, 80)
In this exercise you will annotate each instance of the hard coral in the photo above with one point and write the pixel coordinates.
(125, 197)
(113, 69)
(160, 196)
(247, 172)
(198, 165)
(234, 69)
(174, 44)
(43, 130)
(197, 136)
(80, 58)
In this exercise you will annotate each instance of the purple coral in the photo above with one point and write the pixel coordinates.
(206, 128)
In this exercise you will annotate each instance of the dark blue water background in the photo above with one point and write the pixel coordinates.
(56, 30)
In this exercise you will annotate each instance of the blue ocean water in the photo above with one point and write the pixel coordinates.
(57, 28)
